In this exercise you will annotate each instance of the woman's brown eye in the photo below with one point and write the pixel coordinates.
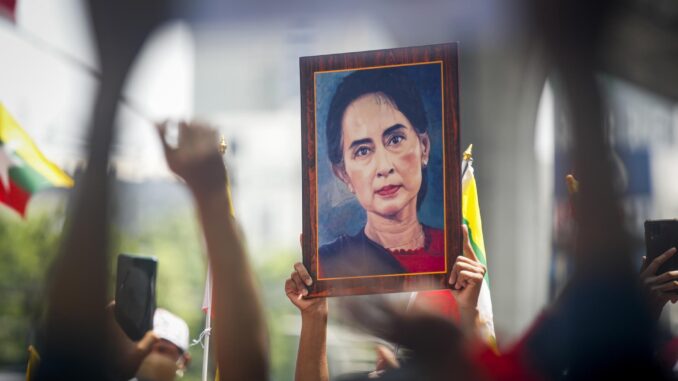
(362, 151)
(396, 139)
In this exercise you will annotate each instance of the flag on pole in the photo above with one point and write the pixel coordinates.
(24, 170)
(442, 301)
(470, 211)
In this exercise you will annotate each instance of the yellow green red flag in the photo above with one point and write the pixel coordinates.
(24, 170)
(470, 211)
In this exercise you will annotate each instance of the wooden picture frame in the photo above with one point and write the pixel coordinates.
(339, 254)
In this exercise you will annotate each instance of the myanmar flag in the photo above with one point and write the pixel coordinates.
(24, 170)
(442, 301)
(470, 211)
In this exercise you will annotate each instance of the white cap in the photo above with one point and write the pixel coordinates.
(170, 327)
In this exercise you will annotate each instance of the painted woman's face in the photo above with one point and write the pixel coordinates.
(383, 155)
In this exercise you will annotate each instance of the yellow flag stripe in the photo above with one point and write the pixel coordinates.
(471, 215)
(11, 132)
(476, 249)
(471, 212)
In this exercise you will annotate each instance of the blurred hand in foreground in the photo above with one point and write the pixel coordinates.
(125, 356)
(663, 287)
(196, 158)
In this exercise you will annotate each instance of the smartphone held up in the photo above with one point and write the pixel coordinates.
(135, 294)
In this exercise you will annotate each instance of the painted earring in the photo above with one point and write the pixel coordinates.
(425, 164)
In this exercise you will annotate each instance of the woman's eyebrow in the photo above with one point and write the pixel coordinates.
(358, 142)
(392, 130)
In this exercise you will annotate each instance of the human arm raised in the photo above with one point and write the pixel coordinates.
(312, 354)
(466, 279)
(239, 327)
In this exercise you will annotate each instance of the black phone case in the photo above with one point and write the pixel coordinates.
(135, 294)
(661, 235)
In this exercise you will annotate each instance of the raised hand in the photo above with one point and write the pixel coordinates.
(196, 158)
(312, 355)
(125, 355)
(467, 275)
(663, 287)
(296, 289)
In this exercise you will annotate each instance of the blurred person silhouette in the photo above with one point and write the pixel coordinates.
(466, 278)
(661, 288)
(75, 340)
(78, 342)
(601, 325)
(160, 355)
(169, 355)
(241, 338)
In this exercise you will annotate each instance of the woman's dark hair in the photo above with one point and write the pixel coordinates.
(395, 86)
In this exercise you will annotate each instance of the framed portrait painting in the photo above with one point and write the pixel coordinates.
(381, 169)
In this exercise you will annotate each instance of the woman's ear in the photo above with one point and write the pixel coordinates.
(425, 148)
(340, 172)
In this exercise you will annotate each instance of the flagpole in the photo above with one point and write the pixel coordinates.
(467, 159)
(206, 349)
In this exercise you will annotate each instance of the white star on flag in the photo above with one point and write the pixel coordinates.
(7, 161)
(5, 164)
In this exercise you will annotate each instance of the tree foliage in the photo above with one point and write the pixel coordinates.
(28, 246)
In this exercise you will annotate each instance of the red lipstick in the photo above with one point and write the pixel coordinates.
(388, 191)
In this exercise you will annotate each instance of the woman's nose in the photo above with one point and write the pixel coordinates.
(385, 173)
(384, 166)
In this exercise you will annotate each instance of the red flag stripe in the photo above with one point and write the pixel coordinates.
(16, 198)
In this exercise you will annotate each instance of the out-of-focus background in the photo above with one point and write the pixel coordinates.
(235, 64)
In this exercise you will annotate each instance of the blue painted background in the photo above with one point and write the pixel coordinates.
(338, 210)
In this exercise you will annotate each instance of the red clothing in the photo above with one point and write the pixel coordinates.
(513, 365)
(430, 258)
(440, 302)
